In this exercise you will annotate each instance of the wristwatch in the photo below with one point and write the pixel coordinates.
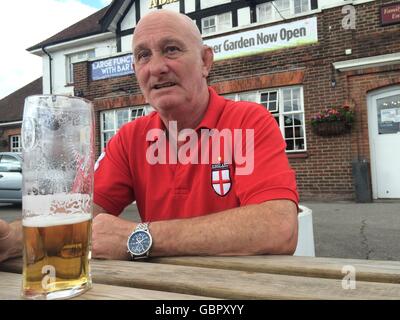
(140, 241)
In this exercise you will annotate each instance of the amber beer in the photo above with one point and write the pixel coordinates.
(56, 255)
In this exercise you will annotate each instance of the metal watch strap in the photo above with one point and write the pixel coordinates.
(142, 226)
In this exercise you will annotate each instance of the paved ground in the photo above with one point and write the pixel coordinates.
(363, 231)
(341, 229)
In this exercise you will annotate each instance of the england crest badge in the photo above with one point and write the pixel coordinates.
(221, 179)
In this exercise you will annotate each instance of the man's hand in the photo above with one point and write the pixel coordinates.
(109, 237)
(10, 240)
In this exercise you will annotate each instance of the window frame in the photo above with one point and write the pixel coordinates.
(275, 16)
(146, 110)
(301, 112)
(217, 23)
(280, 114)
(69, 62)
(18, 141)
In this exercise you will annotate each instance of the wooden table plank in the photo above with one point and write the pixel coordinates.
(229, 284)
(331, 268)
(11, 287)
(366, 270)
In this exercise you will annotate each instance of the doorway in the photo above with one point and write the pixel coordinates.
(384, 140)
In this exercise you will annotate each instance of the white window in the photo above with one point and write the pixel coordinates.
(111, 121)
(287, 107)
(264, 12)
(217, 23)
(15, 143)
(278, 9)
(283, 7)
(73, 58)
(301, 6)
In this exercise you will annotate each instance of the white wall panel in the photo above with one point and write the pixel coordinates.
(244, 16)
(129, 21)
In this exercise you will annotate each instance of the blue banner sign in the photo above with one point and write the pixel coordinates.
(112, 67)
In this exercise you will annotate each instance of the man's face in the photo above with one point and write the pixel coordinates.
(168, 63)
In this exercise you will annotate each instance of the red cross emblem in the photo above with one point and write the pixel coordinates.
(221, 180)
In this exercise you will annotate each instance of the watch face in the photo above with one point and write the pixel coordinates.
(139, 243)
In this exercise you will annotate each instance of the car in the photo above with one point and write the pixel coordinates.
(10, 177)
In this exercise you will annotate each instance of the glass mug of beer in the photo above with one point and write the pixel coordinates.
(58, 160)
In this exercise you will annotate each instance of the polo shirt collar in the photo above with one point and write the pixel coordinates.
(214, 109)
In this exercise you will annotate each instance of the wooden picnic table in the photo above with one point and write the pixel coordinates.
(254, 277)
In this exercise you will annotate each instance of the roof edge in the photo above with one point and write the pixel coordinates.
(106, 19)
(36, 47)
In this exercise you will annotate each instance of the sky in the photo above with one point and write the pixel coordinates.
(24, 23)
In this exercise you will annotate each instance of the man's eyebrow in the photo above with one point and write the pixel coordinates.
(162, 43)
(172, 41)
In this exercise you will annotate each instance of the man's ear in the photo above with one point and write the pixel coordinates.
(208, 59)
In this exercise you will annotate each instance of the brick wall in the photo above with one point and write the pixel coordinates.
(324, 171)
(7, 133)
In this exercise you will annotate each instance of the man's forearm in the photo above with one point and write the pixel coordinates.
(11, 240)
(267, 228)
(16, 251)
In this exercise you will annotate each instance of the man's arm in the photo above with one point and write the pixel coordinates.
(97, 210)
(11, 236)
(266, 228)
(10, 240)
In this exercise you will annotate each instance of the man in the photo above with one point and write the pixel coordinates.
(193, 209)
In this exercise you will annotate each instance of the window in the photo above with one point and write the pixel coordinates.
(388, 112)
(293, 119)
(301, 6)
(73, 58)
(286, 105)
(8, 163)
(15, 143)
(264, 12)
(209, 25)
(277, 9)
(217, 23)
(112, 121)
(283, 7)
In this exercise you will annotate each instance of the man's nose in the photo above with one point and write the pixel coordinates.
(158, 65)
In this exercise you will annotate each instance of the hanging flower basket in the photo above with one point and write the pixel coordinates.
(331, 128)
(333, 122)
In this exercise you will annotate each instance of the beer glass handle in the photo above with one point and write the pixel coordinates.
(29, 133)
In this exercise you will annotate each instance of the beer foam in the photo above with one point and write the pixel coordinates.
(58, 203)
(55, 220)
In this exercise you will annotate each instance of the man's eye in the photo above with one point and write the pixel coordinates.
(171, 49)
(142, 55)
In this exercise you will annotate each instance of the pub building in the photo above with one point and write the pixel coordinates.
(295, 57)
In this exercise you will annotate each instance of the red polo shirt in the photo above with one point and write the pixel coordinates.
(168, 191)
